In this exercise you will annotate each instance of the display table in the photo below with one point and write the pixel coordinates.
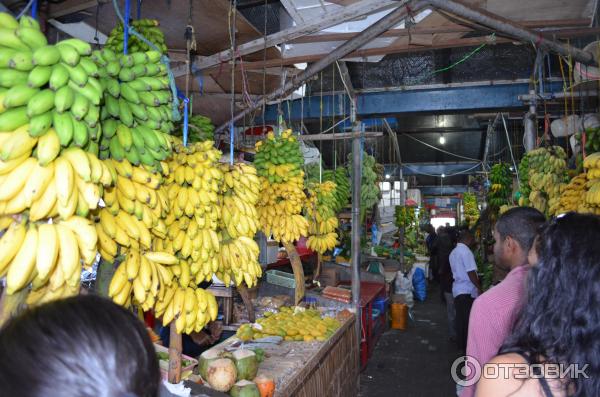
(308, 369)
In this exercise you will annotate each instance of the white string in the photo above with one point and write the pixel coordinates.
(440, 175)
(438, 149)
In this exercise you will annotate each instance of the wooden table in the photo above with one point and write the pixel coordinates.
(308, 369)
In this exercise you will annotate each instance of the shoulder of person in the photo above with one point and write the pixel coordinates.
(505, 384)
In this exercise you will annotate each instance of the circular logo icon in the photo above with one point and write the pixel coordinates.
(466, 371)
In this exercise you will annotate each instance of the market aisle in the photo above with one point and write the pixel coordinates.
(415, 362)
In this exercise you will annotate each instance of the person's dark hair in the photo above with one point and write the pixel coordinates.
(560, 323)
(84, 346)
(522, 224)
(464, 235)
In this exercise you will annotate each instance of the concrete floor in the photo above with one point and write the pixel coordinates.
(415, 362)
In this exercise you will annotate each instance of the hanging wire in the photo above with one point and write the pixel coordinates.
(512, 156)
(96, 38)
(440, 175)
(24, 10)
(264, 80)
(232, 23)
(438, 149)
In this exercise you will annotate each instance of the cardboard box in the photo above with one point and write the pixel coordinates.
(329, 277)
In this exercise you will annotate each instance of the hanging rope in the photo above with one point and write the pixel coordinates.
(414, 170)
(190, 45)
(126, 26)
(438, 149)
(24, 10)
(232, 23)
(139, 9)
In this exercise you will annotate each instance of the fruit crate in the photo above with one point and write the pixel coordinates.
(164, 364)
(280, 278)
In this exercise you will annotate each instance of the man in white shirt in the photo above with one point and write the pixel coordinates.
(465, 287)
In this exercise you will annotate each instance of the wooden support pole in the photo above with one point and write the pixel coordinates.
(318, 270)
(298, 271)
(243, 291)
(175, 349)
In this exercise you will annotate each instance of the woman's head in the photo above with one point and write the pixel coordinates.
(84, 346)
(560, 323)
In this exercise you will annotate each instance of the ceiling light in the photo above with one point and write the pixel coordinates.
(443, 175)
(387, 176)
(442, 139)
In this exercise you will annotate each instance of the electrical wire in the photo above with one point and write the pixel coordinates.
(438, 149)
(512, 156)
(440, 175)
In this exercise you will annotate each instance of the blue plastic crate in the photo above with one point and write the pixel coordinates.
(381, 304)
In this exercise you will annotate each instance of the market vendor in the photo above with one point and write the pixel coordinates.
(195, 343)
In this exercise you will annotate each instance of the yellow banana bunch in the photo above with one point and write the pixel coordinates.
(572, 194)
(592, 161)
(142, 278)
(320, 212)
(193, 189)
(239, 261)
(48, 256)
(191, 308)
(68, 184)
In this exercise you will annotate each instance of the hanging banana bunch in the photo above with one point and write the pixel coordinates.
(279, 163)
(193, 189)
(238, 257)
(322, 221)
(137, 113)
(147, 28)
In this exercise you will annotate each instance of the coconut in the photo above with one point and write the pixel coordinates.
(221, 374)
(246, 364)
(244, 388)
(206, 358)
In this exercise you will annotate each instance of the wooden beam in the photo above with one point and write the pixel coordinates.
(353, 11)
(343, 68)
(407, 48)
(340, 136)
(320, 38)
(57, 10)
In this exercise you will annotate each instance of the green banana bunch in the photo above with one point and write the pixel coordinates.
(471, 210)
(369, 190)
(200, 129)
(279, 158)
(501, 180)
(404, 216)
(147, 28)
(45, 86)
(137, 114)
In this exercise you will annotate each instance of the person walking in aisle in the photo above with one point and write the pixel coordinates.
(443, 248)
(466, 286)
(494, 313)
(430, 243)
(560, 321)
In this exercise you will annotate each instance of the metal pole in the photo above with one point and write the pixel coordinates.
(356, 227)
(530, 124)
(510, 28)
(373, 31)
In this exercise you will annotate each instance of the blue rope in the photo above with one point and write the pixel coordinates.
(231, 139)
(126, 26)
(185, 121)
(139, 9)
(34, 8)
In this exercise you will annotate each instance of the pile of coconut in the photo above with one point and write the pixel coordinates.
(234, 373)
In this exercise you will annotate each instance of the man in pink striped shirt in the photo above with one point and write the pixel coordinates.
(494, 313)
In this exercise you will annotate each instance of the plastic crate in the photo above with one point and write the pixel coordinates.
(280, 278)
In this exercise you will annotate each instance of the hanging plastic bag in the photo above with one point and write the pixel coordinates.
(403, 286)
(419, 285)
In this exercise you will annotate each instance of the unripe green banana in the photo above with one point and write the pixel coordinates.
(32, 37)
(39, 76)
(11, 119)
(7, 21)
(80, 106)
(116, 150)
(83, 48)
(109, 127)
(133, 156)
(41, 102)
(63, 125)
(59, 77)
(68, 54)
(89, 66)
(77, 75)
(80, 133)
(40, 124)
(9, 39)
(46, 56)
(129, 94)
(18, 95)
(64, 98)
(125, 113)
(22, 60)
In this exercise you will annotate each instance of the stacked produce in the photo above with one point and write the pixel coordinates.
(342, 186)
(135, 210)
(501, 180)
(322, 221)
(200, 129)
(524, 188)
(547, 171)
(279, 162)
(147, 28)
(137, 114)
(291, 324)
(404, 217)
(572, 196)
(369, 190)
(592, 139)
(471, 210)
(238, 256)
(592, 196)
(45, 86)
(193, 189)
